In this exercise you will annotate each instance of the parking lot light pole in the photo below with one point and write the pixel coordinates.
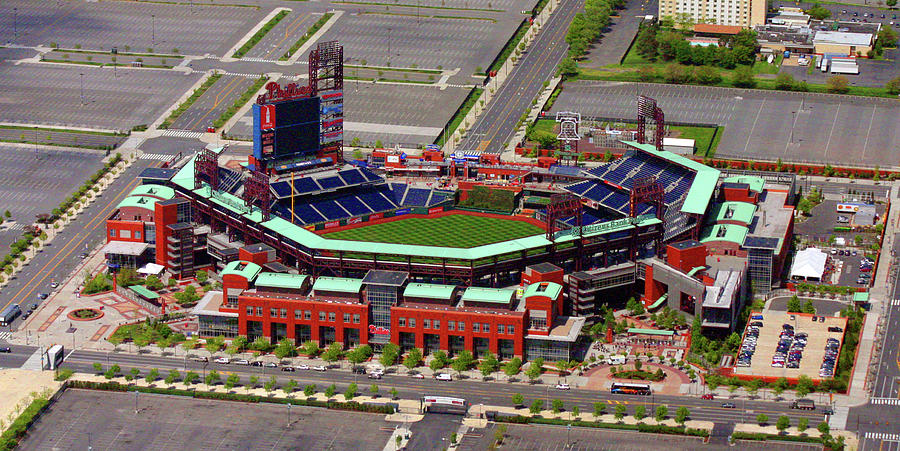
(153, 24)
(15, 24)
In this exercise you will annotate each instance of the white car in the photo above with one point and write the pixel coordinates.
(224, 360)
(562, 387)
(417, 376)
(443, 377)
(242, 362)
(270, 365)
(302, 367)
(319, 368)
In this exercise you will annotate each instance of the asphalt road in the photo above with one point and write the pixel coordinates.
(58, 259)
(213, 103)
(498, 124)
(475, 391)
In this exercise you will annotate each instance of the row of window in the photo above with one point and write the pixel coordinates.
(126, 234)
(457, 326)
(302, 314)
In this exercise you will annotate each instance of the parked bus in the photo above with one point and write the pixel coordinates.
(55, 356)
(9, 314)
(444, 404)
(804, 404)
(630, 389)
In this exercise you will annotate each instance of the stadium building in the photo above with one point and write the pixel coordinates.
(308, 248)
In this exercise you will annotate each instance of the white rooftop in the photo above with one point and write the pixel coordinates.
(809, 263)
(842, 38)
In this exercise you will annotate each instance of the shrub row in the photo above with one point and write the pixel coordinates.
(761, 437)
(190, 100)
(641, 427)
(351, 405)
(312, 30)
(230, 111)
(11, 436)
(259, 34)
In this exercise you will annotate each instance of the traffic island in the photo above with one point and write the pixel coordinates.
(85, 314)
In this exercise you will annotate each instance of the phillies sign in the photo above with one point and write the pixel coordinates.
(275, 93)
(267, 117)
(378, 330)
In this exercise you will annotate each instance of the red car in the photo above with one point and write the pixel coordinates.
(707, 396)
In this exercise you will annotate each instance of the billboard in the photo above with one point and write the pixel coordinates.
(286, 129)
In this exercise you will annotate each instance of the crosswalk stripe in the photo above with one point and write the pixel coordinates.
(244, 75)
(182, 133)
(258, 60)
(895, 302)
(15, 226)
(887, 401)
(156, 156)
(5, 335)
(882, 436)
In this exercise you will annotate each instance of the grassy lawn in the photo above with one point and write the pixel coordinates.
(459, 230)
(702, 136)
(762, 67)
(544, 125)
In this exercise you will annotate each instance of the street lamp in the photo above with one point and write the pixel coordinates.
(15, 24)
(153, 22)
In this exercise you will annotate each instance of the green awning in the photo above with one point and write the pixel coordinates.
(659, 301)
(635, 330)
(861, 296)
(144, 292)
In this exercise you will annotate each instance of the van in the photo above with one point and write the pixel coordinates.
(443, 377)
(616, 360)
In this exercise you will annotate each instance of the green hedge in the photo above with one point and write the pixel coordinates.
(233, 109)
(312, 30)
(759, 436)
(190, 100)
(351, 405)
(11, 436)
(641, 427)
(259, 34)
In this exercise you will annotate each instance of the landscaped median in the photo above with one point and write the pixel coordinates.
(190, 100)
(260, 34)
(239, 103)
(780, 432)
(312, 30)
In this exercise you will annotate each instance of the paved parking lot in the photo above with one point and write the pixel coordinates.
(102, 25)
(218, 98)
(874, 73)
(51, 95)
(35, 180)
(106, 420)
(392, 113)
(429, 43)
(813, 353)
(758, 123)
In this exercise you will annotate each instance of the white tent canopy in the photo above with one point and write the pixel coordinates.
(809, 264)
(152, 268)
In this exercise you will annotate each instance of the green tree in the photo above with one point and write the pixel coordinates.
(819, 13)
(794, 304)
(289, 387)
(172, 282)
(535, 369)
(808, 307)
(232, 381)
(389, 354)
(536, 406)
(172, 377)
(135, 373)
(783, 423)
(743, 77)
(350, 393)
(152, 376)
(394, 393)
(254, 381)
(373, 389)
(784, 81)
(112, 372)
(517, 399)
(190, 378)
(567, 67)
(334, 353)
(212, 377)
(661, 412)
(188, 296)
(893, 85)
(438, 360)
(489, 364)
(269, 385)
(512, 367)
(285, 348)
(557, 405)
(804, 385)
(762, 419)
(310, 348)
(309, 390)
(413, 358)
(681, 414)
(823, 428)
(202, 276)
(802, 424)
(707, 75)
(599, 409)
(215, 344)
(576, 411)
(640, 412)
(152, 282)
(463, 361)
(620, 412)
(98, 367)
(837, 84)
(330, 390)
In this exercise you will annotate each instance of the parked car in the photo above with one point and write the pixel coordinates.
(242, 362)
(6, 349)
(256, 363)
(223, 360)
(708, 396)
(417, 376)
(835, 329)
(270, 365)
(200, 359)
(43, 296)
(289, 369)
(359, 370)
(562, 386)
(374, 376)
(443, 377)
(728, 405)
(319, 368)
(302, 367)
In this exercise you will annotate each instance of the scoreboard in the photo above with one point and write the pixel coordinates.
(286, 129)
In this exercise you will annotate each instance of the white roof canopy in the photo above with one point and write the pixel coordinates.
(809, 263)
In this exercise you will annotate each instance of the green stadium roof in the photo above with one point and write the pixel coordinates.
(488, 295)
(160, 191)
(143, 291)
(704, 183)
(733, 211)
(756, 183)
(861, 296)
(338, 284)
(724, 232)
(549, 289)
(429, 291)
(138, 202)
(245, 269)
(295, 232)
(280, 280)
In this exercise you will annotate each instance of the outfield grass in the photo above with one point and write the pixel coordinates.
(459, 230)
(702, 137)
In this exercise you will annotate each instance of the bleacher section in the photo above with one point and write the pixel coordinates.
(229, 181)
(417, 197)
(675, 180)
(376, 200)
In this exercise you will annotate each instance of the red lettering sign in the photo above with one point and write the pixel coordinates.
(267, 117)
(355, 220)
(332, 224)
(378, 330)
(376, 216)
(432, 211)
(276, 93)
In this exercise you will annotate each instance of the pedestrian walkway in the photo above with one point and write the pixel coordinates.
(182, 134)
(883, 436)
(156, 156)
(5, 335)
(895, 302)
(886, 401)
(243, 75)
(34, 362)
(259, 60)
